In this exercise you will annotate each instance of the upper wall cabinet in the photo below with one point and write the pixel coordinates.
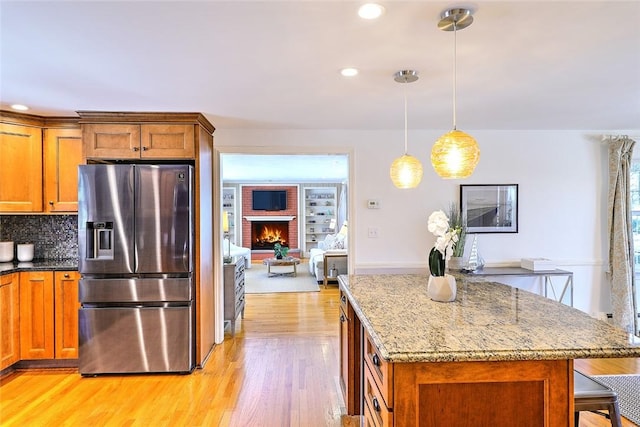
(62, 155)
(39, 160)
(140, 135)
(20, 168)
(128, 141)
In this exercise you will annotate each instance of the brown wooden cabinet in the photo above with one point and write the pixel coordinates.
(39, 160)
(49, 314)
(9, 319)
(62, 155)
(535, 392)
(36, 315)
(20, 168)
(66, 305)
(350, 356)
(139, 141)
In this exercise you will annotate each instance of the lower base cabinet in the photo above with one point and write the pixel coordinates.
(350, 356)
(475, 393)
(49, 315)
(9, 319)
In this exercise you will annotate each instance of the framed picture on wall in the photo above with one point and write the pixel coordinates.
(490, 208)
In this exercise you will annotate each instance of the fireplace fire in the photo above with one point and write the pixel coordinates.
(265, 234)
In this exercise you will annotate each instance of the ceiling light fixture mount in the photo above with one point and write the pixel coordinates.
(406, 171)
(455, 154)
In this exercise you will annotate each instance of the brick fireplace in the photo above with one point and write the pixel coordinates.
(282, 224)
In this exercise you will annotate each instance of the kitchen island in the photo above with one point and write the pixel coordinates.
(495, 356)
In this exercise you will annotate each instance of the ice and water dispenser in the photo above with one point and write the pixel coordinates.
(100, 240)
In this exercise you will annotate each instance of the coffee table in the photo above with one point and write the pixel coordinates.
(288, 261)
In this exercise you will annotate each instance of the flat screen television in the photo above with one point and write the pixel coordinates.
(269, 200)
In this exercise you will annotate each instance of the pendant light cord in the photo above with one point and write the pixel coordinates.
(405, 117)
(455, 55)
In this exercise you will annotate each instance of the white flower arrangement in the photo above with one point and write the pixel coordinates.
(447, 238)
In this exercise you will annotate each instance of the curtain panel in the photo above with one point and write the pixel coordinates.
(621, 251)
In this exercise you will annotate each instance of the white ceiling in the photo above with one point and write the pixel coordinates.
(275, 64)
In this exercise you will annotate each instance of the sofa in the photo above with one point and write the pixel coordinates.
(332, 244)
(239, 251)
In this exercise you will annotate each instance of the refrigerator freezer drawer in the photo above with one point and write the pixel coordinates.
(135, 340)
(134, 290)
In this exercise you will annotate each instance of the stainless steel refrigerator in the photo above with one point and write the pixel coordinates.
(135, 232)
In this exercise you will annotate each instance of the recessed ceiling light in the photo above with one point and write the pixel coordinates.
(349, 72)
(19, 107)
(370, 11)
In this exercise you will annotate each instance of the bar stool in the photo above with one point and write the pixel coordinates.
(590, 395)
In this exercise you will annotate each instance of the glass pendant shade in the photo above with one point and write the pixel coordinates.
(406, 172)
(455, 155)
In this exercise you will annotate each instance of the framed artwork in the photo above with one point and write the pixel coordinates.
(490, 208)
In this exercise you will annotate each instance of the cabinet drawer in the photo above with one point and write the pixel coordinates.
(381, 370)
(376, 412)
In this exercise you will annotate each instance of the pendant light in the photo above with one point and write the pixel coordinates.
(455, 154)
(406, 171)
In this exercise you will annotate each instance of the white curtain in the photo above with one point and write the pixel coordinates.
(621, 262)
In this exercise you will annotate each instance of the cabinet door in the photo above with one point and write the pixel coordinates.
(63, 154)
(350, 357)
(36, 315)
(20, 168)
(164, 141)
(66, 314)
(111, 141)
(9, 320)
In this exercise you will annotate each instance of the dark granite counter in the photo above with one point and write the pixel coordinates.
(39, 265)
(487, 321)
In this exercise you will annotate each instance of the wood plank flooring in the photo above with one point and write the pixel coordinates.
(280, 369)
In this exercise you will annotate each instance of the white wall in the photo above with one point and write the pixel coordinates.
(562, 180)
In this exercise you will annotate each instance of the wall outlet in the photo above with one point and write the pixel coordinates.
(372, 233)
(373, 204)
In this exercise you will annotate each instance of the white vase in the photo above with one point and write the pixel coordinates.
(442, 288)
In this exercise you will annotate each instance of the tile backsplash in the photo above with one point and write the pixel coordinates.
(55, 237)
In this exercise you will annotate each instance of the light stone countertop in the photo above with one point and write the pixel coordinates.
(487, 321)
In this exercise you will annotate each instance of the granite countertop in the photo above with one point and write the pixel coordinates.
(39, 265)
(487, 321)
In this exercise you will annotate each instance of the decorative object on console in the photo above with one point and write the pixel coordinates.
(406, 171)
(455, 154)
(225, 228)
(441, 286)
(280, 251)
(537, 264)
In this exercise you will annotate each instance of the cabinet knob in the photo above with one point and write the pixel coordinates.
(135, 148)
(342, 318)
(376, 359)
(376, 404)
(51, 202)
(66, 275)
(343, 298)
(144, 148)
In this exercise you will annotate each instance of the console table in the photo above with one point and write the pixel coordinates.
(547, 275)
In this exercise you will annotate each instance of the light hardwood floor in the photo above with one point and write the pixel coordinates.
(280, 369)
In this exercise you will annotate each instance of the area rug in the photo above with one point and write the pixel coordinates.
(257, 282)
(628, 389)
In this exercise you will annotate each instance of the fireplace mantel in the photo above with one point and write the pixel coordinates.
(270, 218)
